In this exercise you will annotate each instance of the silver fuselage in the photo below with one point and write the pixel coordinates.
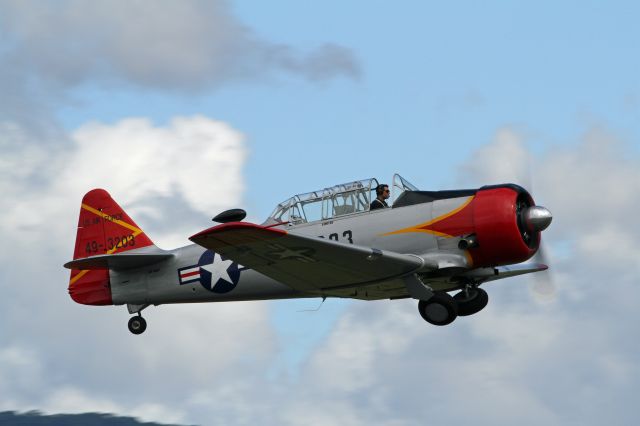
(162, 283)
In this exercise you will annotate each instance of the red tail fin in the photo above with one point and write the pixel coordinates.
(103, 228)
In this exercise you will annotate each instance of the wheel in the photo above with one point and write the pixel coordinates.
(472, 302)
(137, 325)
(441, 309)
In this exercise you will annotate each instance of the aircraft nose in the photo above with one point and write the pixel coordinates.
(537, 218)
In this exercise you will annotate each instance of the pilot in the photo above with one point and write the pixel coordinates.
(382, 194)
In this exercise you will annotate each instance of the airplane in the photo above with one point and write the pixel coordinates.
(326, 243)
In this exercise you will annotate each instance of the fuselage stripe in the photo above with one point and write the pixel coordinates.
(421, 227)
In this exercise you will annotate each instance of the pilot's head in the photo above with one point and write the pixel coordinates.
(382, 191)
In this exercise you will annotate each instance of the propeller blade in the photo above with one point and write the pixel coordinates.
(544, 288)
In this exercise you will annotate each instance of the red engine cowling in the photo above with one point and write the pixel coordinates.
(501, 233)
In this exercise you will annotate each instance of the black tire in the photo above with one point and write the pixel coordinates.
(441, 309)
(472, 303)
(137, 325)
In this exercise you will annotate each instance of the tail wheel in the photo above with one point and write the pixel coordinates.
(137, 325)
(471, 301)
(441, 309)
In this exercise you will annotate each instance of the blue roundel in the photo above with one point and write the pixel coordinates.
(217, 273)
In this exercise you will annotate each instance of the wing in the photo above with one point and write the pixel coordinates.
(305, 263)
(500, 272)
(514, 270)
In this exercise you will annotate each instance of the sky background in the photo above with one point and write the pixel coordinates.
(181, 109)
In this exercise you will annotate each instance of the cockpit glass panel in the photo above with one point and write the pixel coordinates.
(362, 200)
(343, 203)
(279, 213)
(401, 185)
(339, 200)
(296, 215)
(312, 209)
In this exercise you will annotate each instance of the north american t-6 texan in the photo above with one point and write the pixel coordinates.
(327, 243)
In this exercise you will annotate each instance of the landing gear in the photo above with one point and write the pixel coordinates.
(137, 324)
(471, 300)
(441, 309)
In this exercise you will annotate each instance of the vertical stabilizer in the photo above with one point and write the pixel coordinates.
(103, 228)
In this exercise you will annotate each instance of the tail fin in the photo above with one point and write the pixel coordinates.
(103, 228)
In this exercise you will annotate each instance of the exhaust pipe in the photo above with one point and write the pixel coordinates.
(468, 242)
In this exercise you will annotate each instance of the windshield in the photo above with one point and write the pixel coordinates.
(401, 185)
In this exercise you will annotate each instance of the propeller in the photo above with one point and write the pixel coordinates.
(544, 288)
(537, 219)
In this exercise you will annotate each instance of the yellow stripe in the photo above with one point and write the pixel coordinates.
(136, 232)
(417, 228)
(107, 217)
(77, 277)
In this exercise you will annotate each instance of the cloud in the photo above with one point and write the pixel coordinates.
(197, 159)
(505, 159)
(193, 164)
(522, 361)
(185, 45)
(587, 184)
(569, 361)
(171, 178)
(73, 358)
(20, 373)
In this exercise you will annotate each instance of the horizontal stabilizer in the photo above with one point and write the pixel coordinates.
(118, 261)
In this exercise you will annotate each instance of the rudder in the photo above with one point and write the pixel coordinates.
(103, 228)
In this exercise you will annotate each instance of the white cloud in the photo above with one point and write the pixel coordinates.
(504, 160)
(518, 361)
(346, 361)
(593, 183)
(193, 165)
(20, 373)
(597, 244)
(67, 357)
(162, 44)
(198, 158)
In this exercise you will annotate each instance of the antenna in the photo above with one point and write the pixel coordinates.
(316, 309)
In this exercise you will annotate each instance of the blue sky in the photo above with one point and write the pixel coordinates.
(435, 80)
(183, 109)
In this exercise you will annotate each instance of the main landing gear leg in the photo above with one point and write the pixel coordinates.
(137, 324)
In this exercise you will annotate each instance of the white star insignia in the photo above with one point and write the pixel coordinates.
(219, 269)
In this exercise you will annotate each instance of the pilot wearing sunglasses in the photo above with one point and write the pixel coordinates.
(382, 194)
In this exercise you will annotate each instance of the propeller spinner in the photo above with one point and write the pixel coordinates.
(537, 218)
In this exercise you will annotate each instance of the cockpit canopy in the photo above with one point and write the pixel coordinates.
(340, 200)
